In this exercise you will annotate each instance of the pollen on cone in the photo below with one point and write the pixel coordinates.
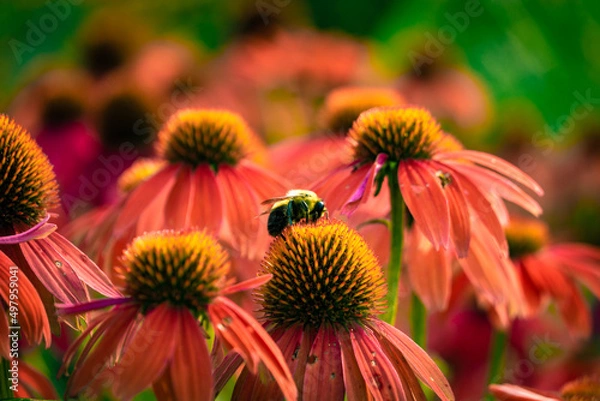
(322, 273)
(207, 136)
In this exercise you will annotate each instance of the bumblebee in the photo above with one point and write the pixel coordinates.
(295, 206)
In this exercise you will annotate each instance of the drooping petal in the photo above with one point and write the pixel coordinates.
(502, 186)
(139, 200)
(265, 183)
(380, 376)
(207, 209)
(28, 309)
(546, 275)
(574, 310)
(148, 352)
(511, 392)
(426, 201)
(460, 229)
(324, 379)
(35, 382)
(246, 336)
(54, 272)
(496, 164)
(429, 272)
(484, 268)
(83, 267)
(110, 330)
(250, 387)
(410, 383)
(579, 261)
(337, 187)
(179, 203)
(241, 207)
(354, 382)
(481, 206)
(425, 369)
(191, 372)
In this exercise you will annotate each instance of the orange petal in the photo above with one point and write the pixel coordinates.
(102, 347)
(380, 376)
(29, 308)
(426, 201)
(206, 209)
(180, 201)
(148, 352)
(324, 378)
(496, 164)
(354, 382)
(137, 201)
(496, 184)
(429, 272)
(247, 337)
(511, 392)
(425, 369)
(191, 371)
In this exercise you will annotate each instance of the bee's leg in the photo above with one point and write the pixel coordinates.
(306, 213)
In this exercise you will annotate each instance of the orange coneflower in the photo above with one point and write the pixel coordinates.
(550, 271)
(447, 190)
(208, 180)
(43, 262)
(586, 388)
(152, 336)
(321, 309)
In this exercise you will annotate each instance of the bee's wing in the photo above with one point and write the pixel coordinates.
(270, 201)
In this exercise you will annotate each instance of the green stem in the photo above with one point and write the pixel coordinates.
(418, 321)
(497, 356)
(396, 242)
(5, 391)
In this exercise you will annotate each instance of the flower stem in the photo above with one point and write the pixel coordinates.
(396, 243)
(418, 321)
(5, 391)
(497, 356)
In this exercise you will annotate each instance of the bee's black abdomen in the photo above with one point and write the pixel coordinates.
(278, 220)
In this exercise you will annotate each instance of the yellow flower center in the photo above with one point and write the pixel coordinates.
(583, 389)
(400, 133)
(27, 183)
(181, 268)
(525, 236)
(323, 273)
(140, 171)
(206, 136)
(343, 106)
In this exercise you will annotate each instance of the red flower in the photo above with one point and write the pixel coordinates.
(551, 271)
(152, 337)
(37, 260)
(321, 309)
